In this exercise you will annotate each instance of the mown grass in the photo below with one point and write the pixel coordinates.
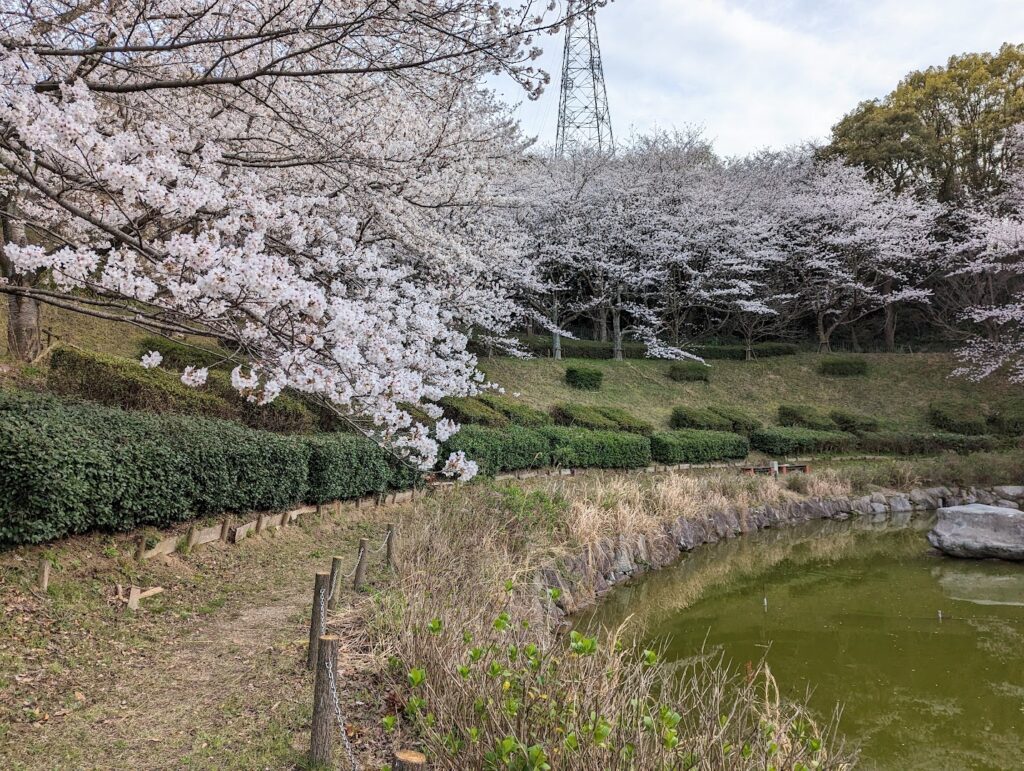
(897, 388)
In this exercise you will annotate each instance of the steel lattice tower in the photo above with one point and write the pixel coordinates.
(583, 118)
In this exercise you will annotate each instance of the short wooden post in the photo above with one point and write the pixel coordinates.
(391, 545)
(359, 503)
(408, 760)
(225, 528)
(261, 520)
(357, 582)
(133, 598)
(321, 588)
(321, 741)
(140, 548)
(190, 541)
(775, 468)
(44, 574)
(335, 581)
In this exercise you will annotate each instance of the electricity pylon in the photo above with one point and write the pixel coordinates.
(583, 118)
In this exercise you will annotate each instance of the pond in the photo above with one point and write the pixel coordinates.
(850, 611)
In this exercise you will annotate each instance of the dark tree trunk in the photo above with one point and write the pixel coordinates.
(616, 334)
(23, 327)
(824, 346)
(890, 320)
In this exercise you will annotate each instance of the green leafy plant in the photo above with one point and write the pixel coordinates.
(696, 446)
(689, 372)
(843, 366)
(741, 422)
(699, 417)
(469, 409)
(584, 378)
(854, 422)
(808, 417)
(957, 417)
(580, 448)
(792, 440)
(517, 412)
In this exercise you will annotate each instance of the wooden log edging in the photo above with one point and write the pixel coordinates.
(583, 578)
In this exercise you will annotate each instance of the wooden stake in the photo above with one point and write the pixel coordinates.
(357, 582)
(225, 528)
(334, 583)
(260, 522)
(140, 548)
(190, 541)
(408, 760)
(391, 545)
(321, 740)
(321, 588)
(44, 574)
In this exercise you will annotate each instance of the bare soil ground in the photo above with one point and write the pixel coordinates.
(209, 674)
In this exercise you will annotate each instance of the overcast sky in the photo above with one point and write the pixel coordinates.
(757, 73)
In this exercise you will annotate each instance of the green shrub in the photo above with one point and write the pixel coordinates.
(346, 466)
(582, 416)
(792, 440)
(626, 422)
(540, 345)
(807, 417)
(177, 355)
(584, 378)
(517, 412)
(957, 418)
(854, 422)
(496, 450)
(469, 409)
(125, 383)
(843, 366)
(739, 352)
(693, 446)
(1008, 419)
(689, 372)
(699, 417)
(924, 443)
(581, 448)
(740, 421)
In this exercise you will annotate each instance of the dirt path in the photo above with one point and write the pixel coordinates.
(225, 687)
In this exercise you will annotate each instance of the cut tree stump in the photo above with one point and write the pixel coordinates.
(408, 760)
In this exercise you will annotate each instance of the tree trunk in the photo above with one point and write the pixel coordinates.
(823, 336)
(854, 339)
(890, 319)
(616, 334)
(602, 325)
(23, 327)
(556, 345)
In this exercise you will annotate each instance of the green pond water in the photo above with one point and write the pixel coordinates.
(852, 615)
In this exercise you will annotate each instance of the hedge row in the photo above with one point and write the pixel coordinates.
(689, 372)
(584, 378)
(794, 439)
(468, 409)
(957, 418)
(176, 355)
(125, 383)
(580, 448)
(540, 345)
(740, 422)
(699, 417)
(806, 417)
(854, 422)
(843, 366)
(924, 442)
(517, 412)
(509, 449)
(599, 418)
(68, 468)
(693, 446)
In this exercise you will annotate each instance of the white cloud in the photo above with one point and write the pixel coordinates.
(761, 73)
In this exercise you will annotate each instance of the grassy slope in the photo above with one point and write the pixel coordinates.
(898, 386)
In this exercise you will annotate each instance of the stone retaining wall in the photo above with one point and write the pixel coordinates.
(584, 578)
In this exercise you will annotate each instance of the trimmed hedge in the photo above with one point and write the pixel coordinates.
(469, 409)
(580, 448)
(344, 466)
(626, 422)
(517, 412)
(843, 366)
(699, 417)
(1008, 419)
(582, 416)
(178, 355)
(739, 352)
(957, 418)
(689, 372)
(694, 446)
(584, 378)
(72, 467)
(924, 442)
(495, 450)
(125, 383)
(792, 440)
(540, 345)
(807, 417)
(854, 422)
(740, 421)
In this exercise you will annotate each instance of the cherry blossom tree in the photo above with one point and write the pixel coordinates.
(304, 182)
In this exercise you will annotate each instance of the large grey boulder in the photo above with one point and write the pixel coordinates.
(978, 531)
